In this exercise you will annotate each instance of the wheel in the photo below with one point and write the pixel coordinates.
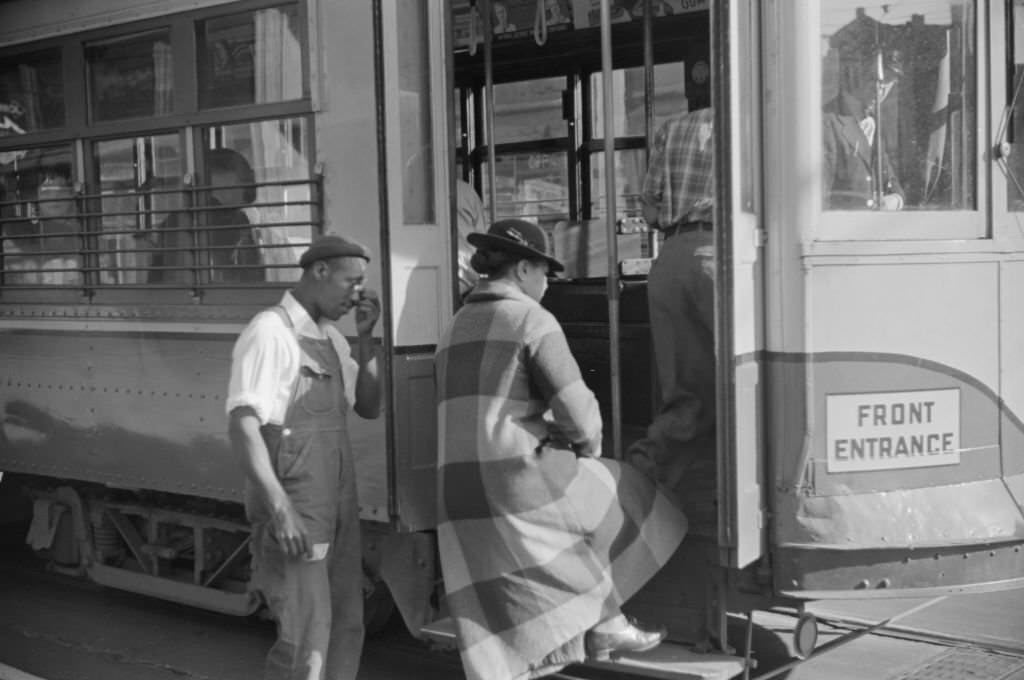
(805, 635)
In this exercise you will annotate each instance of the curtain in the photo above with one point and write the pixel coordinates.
(163, 78)
(278, 58)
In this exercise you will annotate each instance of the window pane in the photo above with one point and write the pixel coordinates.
(630, 167)
(529, 110)
(533, 186)
(31, 93)
(140, 189)
(628, 86)
(905, 76)
(257, 209)
(585, 245)
(416, 133)
(131, 77)
(1015, 134)
(40, 218)
(251, 58)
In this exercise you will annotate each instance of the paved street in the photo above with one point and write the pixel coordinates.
(58, 628)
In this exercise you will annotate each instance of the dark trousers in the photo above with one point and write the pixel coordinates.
(680, 292)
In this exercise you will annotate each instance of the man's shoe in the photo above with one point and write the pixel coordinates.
(632, 638)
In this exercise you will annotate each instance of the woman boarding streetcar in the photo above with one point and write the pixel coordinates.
(541, 540)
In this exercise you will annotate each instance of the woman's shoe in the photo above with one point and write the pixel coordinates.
(632, 638)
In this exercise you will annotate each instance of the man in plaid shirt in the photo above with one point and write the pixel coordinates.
(678, 197)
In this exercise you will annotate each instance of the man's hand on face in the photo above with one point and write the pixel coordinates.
(367, 311)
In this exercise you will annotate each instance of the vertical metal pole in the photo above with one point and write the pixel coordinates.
(488, 29)
(380, 85)
(652, 236)
(610, 215)
(876, 111)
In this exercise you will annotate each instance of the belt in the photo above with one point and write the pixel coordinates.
(680, 227)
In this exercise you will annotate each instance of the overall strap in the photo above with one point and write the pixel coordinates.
(283, 314)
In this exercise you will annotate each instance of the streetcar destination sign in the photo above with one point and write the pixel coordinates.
(892, 430)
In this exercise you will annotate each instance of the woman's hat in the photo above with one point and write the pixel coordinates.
(517, 237)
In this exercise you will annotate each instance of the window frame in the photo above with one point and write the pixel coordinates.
(186, 119)
(910, 224)
(1007, 225)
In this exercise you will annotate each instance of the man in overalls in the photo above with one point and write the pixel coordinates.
(293, 378)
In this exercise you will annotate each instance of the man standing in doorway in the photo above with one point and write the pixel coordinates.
(678, 199)
(293, 379)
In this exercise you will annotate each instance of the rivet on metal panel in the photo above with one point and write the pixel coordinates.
(885, 582)
(862, 584)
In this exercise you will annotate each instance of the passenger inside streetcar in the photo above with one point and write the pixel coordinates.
(230, 252)
(43, 249)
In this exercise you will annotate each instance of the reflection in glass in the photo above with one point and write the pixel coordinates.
(131, 77)
(250, 58)
(416, 128)
(140, 182)
(31, 93)
(900, 117)
(628, 84)
(40, 218)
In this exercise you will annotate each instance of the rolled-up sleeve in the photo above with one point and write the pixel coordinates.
(260, 364)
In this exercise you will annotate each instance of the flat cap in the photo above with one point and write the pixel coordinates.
(326, 247)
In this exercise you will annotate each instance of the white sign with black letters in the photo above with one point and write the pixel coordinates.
(892, 430)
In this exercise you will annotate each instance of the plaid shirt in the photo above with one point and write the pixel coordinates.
(680, 173)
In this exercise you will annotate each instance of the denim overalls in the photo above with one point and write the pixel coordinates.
(318, 603)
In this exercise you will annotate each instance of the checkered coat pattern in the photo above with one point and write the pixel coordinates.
(537, 544)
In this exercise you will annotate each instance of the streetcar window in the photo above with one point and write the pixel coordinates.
(628, 85)
(140, 187)
(902, 75)
(1015, 161)
(529, 110)
(276, 201)
(416, 130)
(251, 58)
(31, 93)
(131, 77)
(530, 185)
(40, 218)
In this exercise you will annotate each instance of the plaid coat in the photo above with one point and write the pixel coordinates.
(537, 545)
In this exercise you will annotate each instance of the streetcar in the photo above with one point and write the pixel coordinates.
(870, 352)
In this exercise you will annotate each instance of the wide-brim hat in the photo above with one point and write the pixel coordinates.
(517, 237)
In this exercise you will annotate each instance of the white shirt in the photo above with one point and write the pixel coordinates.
(266, 360)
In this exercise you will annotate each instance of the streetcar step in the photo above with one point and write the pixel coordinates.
(669, 660)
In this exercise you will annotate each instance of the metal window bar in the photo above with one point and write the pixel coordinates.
(101, 259)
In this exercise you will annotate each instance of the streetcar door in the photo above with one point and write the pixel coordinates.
(739, 237)
(415, 160)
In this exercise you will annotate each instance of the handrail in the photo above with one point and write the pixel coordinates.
(614, 341)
